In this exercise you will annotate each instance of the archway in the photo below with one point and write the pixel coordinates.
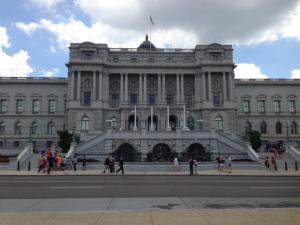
(131, 122)
(161, 153)
(155, 122)
(127, 152)
(196, 151)
(173, 122)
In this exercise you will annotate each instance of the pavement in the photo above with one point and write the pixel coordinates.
(238, 172)
(283, 216)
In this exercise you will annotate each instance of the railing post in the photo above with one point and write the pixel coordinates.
(29, 166)
(18, 166)
(285, 166)
(296, 166)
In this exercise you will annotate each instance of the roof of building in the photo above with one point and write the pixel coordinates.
(146, 45)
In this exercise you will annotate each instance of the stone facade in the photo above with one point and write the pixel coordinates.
(113, 91)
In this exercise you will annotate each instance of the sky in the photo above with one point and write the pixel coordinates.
(265, 34)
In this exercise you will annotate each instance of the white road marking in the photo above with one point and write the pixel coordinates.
(283, 187)
(77, 187)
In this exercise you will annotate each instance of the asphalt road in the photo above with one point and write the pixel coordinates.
(53, 187)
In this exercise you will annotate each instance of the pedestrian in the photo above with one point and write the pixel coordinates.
(274, 165)
(218, 162)
(84, 163)
(228, 163)
(266, 162)
(41, 164)
(195, 165)
(50, 160)
(176, 165)
(106, 165)
(191, 163)
(111, 164)
(75, 163)
(121, 165)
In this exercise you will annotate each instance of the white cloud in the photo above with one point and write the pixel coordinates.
(48, 5)
(49, 73)
(12, 65)
(248, 71)
(295, 74)
(27, 28)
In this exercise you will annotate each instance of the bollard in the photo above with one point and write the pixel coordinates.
(29, 166)
(296, 166)
(285, 166)
(18, 166)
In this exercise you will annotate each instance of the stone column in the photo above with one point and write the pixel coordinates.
(163, 88)
(72, 91)
(231, 86)
(151, 118)
(168, 122)
(94, 86)
(126, 87)
(209, 87)
(182, 87)
(177, 88)
(100, 85)
(140, 88)
(158, 88)
(224, 87)
(184, 118)
(79, 85)
(121, 88)
(203, 87)
(145, 88)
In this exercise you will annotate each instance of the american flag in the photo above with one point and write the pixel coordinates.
(151, 20)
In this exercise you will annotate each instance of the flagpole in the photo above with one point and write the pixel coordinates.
(150, 31)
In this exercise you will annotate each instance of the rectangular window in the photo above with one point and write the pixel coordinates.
(52, 106)
(87, 98)
(246, 106)
(3, 105)
(170, 99)
(276, 106)
(291, 104)
(151, 99)
(133, 99)
(16, 143)
(114, 100)
(35, 106)
(20, 105)
(216, 99)
(261, 106)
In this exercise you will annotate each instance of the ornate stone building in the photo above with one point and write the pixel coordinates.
(149, 103)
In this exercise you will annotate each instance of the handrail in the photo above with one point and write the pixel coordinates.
(292, 151)
(252, 154)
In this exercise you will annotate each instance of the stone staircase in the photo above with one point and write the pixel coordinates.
(280, 160)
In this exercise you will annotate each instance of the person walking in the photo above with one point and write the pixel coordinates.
(111, 164)
(106, 165)
(121, 165)
(228, 163)
(83, 163)
(191, 164)
(195, 166)
(176, 165)
(50, 163)
(274, 165)
(75, 163)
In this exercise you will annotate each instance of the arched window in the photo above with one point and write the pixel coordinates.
(18, 128)
(190, 123)
(248, 127)
(263, 127)
(34, 128)
(278, 128)
(50, 128)
(294, 128)
(2, 127)
(218, 123)
(85, 123)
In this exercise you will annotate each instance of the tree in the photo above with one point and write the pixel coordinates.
(65, 139)
(254, 138)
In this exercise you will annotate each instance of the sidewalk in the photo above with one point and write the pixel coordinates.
(202, 172)
(282, 216)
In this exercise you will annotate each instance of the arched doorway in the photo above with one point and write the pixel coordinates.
(196, 151)
(173, 122)
(131, 122)
(128, 152)
(161, 153)
(155, 122)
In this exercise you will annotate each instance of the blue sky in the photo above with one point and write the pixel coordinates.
(35, 34)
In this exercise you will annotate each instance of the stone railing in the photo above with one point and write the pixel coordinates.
(294, 153)
(252, 154)
(22, 158)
